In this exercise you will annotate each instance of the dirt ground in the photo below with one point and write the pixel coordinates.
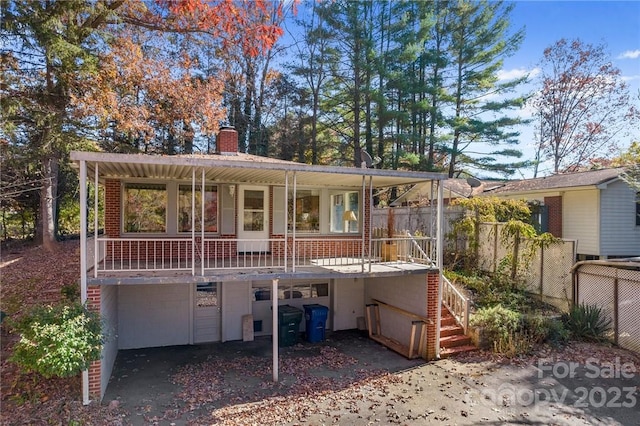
(351, 380)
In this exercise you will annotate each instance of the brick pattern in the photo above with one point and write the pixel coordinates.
(433, 282)
(112, 195)
(554, 206)
(227, 141)
(95, 379)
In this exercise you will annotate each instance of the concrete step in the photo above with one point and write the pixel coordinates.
(451, 330)
(449, 352)
(453, 341)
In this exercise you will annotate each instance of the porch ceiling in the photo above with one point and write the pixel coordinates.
(241, 168)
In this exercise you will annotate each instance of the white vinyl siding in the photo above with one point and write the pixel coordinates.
(581, 219)
(620, 236)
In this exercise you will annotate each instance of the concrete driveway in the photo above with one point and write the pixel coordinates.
(349, 379)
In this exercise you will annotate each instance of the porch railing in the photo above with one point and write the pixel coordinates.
(198, 256)
(456, 302)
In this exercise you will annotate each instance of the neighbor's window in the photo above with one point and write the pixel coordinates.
(303, 291)
(345, 211)
(307, 210)
(145, 207)
(210, 208)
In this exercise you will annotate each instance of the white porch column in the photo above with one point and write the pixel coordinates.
(202, 229)
(193, 219)
(439, 236)
(83, 262)
(96, 257)
(274, 308)
(293, 220)
(361, 221)
(370, 218)
(286, 218)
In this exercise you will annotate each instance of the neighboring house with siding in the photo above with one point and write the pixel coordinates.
(205, 248)
(596, 208)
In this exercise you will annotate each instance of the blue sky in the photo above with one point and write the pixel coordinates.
(613, 23)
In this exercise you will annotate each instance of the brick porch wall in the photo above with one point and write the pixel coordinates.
(112, 208)
(93, 303)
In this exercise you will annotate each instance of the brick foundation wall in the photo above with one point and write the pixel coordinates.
(433, 302)
(93, 303)
(554, 212)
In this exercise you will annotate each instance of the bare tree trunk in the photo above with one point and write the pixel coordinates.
(48, 199)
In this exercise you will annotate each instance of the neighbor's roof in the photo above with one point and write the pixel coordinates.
(240, 168)
(559, 181)
(453, 188)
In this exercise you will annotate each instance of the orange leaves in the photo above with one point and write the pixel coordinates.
(252, 25)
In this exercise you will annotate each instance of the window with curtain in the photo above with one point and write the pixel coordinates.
(345, 212)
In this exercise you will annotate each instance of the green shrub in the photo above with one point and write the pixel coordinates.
(499, 323)
(587, 322)
(59, 341)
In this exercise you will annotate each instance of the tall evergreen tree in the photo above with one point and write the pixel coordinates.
(479, 44)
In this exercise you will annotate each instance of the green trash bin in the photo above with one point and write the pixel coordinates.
(289, 319)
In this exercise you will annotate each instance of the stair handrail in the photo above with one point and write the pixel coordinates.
(424, 255)
(456, 302)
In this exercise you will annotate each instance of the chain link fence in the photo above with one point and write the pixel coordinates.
(614, 286)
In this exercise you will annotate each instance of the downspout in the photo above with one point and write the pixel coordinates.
(439, 262)
(83, 262)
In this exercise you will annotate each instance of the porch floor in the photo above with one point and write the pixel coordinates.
(248, 267)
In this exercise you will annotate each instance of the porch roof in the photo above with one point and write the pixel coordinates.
(242, 168)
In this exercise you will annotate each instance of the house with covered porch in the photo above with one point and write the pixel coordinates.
(207, 248)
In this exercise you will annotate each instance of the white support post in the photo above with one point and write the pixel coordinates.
(293, 221)
(361, 221)
(370, 218)
(83, 262)
(286, 219)
(95, 223)
(193, 220)
(439, 263)
(274, 308)
(202, 229)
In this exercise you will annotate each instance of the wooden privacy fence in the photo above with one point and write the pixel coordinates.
(614, 286)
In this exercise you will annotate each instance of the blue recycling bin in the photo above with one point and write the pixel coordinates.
(315, 321)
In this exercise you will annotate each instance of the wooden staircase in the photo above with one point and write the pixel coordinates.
(452, 338)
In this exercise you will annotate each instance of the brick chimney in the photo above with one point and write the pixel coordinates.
(227, 141)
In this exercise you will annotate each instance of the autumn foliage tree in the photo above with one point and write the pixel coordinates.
(583, 104)
(125, 72)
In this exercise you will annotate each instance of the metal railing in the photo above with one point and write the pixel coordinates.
(136, 254)
(198, 256)
(456, 302)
